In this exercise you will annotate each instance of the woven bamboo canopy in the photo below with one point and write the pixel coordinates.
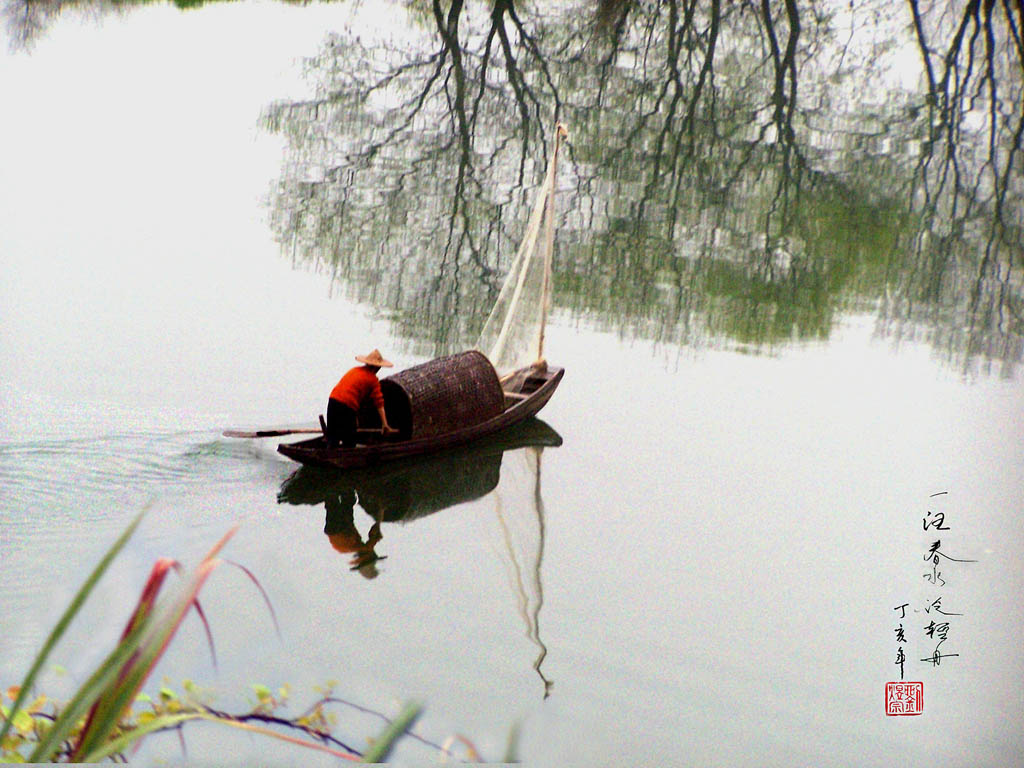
(443, 395)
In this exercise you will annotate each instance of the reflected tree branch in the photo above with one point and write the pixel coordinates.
(732, 176)
(741, 172)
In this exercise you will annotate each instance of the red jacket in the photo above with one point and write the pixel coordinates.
(356, 386)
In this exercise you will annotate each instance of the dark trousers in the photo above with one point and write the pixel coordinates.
(341, 424)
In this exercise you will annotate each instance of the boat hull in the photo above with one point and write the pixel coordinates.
(316, 451)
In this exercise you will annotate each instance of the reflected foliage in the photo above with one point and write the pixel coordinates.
(740, 173)
(28, 20)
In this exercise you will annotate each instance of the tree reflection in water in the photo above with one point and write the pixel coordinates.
(742, 173)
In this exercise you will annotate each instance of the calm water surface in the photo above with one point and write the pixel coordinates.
(695, 559)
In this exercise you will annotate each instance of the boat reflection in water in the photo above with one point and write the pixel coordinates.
(406, 491)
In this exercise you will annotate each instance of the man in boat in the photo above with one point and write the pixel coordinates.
(358, 386)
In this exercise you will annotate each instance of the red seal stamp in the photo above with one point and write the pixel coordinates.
(904, 699)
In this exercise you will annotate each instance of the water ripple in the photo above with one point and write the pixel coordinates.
(52, 470)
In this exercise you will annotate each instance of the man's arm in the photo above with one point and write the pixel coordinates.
(385, 427)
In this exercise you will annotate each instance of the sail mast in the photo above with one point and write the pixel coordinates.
(549, 238)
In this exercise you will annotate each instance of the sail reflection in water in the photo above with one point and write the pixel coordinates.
(523, 540)
(407, 491)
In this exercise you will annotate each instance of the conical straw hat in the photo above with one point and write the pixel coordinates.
(374, 358)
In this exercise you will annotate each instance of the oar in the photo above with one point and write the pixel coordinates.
(280, 432)
(270, 432)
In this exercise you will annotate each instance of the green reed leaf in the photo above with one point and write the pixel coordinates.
(383, 744)
(512, 747)
(163, 622)
(72, 610)
(126, 740)
(105, 675)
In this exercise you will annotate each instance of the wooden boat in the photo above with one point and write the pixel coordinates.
(453, 400)
(402, 491)
(435, 406)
